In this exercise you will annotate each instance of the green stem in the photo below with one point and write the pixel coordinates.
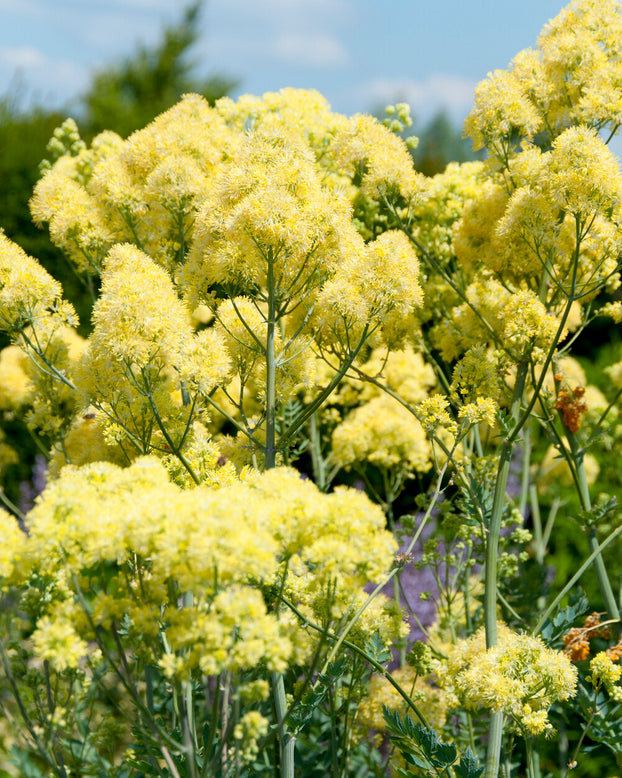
(536, 520)
(270, 449)
(22, 709)
(11, 506)
(597, 551)
(286, 739)
(379, 668)
(524, 486)
(599, 564)
(391, 575)
(176, 450)
(493, 752)
(325, 393)
(317, 460)
(492, 544)
(492, 551)
(533, 761)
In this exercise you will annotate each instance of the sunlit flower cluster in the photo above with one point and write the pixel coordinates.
(519, 675)
(158, 541)
(378, 429)
(28, 293)
(571, 77)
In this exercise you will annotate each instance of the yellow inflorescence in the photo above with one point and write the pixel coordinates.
(519, 675)
(222, 546)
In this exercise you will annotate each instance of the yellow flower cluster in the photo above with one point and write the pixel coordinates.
(143, 190)
(571, 77)
(429, 699)
(484, 409)
(245, 208)
(251, 727)
(157, 541)
(383, 433)
(303, 112)
(557, 216)
(519, 323)
(378, 429)
(434, 413)
(519, 675)
(381, 159)
(603, 672)
(29, 296)
(12, 542)
(542, 222)
(56, 640)
(142, 349)
(14, 379)
(446, 195)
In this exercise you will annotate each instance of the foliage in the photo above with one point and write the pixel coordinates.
(129, 95)
(285, 309)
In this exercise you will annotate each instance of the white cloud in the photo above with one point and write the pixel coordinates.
(313, 49)
(439, 90)
(297, 32)
(281, 11)
(22, 57)
(45, 79)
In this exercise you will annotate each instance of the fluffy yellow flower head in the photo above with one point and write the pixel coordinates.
(519, 675)
(14, 379)
(501, 108)
(28, 293)
(138, 317)
(76, 223)
(268, 209)
(153, 537)
(365, 146)
(383, 433)
(573, 76)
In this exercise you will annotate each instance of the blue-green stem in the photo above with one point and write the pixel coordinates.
(392, 575)
(378, 667)
(576, 577)
(492, 551)
(599, 565)
(492, 543)
(286, 740)
(524, 484)
(533, 759)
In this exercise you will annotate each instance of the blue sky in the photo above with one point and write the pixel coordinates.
(359, 53)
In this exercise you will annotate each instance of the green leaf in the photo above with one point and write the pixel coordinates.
(377, 650)
(468, 766)
(563, 620)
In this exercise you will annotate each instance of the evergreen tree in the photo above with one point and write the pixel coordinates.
(441, 142)
(128, 95)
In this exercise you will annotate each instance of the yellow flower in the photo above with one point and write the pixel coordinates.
(519, 675)
(12, 545)
(14, 378)
(56, 641)
(28, 294)
(383, 433)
